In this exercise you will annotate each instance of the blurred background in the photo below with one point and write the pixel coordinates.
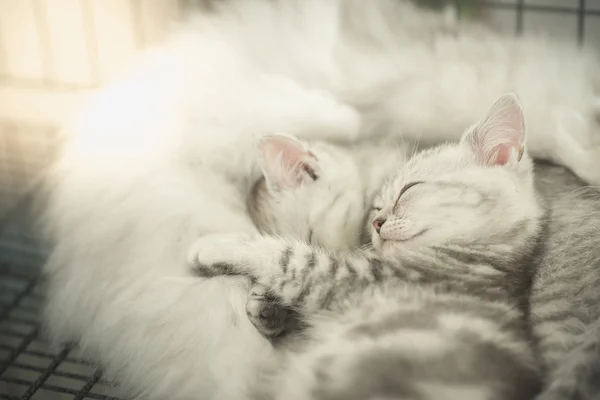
(53, 53)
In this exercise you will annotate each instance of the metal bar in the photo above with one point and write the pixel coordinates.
(137, 23)
(69, 375)
(18, 299)
(42, 378)
(457, 6)
(15, 352)
(53, 388)
(6, 269)
(43, 35)
(12, 333)
(85, 390)
(90, 40)
(581, 22)
(520, 9)
(24, 321)
(541, 8)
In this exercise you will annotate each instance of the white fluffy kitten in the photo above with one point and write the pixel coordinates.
(423, 73)
(165, 156)
(155, 162)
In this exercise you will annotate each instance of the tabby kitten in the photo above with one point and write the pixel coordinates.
(437, 309)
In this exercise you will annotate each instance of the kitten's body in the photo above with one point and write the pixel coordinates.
(417, 326)
(439, 310)
(565, 297)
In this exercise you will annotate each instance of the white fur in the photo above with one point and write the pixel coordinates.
(163, 157)
(425, 74)
(154, 162)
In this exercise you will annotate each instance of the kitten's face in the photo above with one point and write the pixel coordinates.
(319, 199)
(478, 192)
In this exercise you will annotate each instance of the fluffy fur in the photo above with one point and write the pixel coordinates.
(565, 298)
(163, 157)
(444, 295)
(154, 163)
(422, 73)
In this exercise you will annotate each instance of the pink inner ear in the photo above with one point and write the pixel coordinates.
(501, 134)
(285, 161)
(288, 152)
(503, 154)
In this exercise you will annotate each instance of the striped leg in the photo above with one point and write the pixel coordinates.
(295, 273)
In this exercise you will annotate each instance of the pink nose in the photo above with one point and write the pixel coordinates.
(377, 224)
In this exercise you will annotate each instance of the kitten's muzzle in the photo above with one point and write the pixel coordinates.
(378, 224)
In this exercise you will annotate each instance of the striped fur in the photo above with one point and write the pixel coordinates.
(566, 297)
(469, 308)
(431, 315)
(453, 313)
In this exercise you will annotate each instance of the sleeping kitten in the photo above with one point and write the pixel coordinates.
(439, 308)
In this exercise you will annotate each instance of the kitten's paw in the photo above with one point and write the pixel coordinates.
(265, 312)
(215, 269)
(215, 255)
(582, 154)
(587, 166)
(344, 125)
(331, 120)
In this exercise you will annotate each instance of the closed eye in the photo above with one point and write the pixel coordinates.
(405, 188)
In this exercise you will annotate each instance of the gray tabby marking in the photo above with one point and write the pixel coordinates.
(565, 302)
(471, 294)
(438, 309)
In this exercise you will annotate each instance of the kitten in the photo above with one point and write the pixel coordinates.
(439, 308)
(421, 72)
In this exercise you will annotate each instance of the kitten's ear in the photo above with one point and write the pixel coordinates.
(285, 161)
(500, 136)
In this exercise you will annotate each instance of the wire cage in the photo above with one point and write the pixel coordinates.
(36, 96)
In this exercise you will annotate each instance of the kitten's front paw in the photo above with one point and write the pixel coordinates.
(214, 255)
(579, 149)
(216, 269)
(266, 312)
(584, 162)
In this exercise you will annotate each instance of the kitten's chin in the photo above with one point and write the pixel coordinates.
(385, 247)
(376, 241)
(388, 247)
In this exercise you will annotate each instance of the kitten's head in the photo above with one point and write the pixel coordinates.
(310, 191)
(478, 192)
